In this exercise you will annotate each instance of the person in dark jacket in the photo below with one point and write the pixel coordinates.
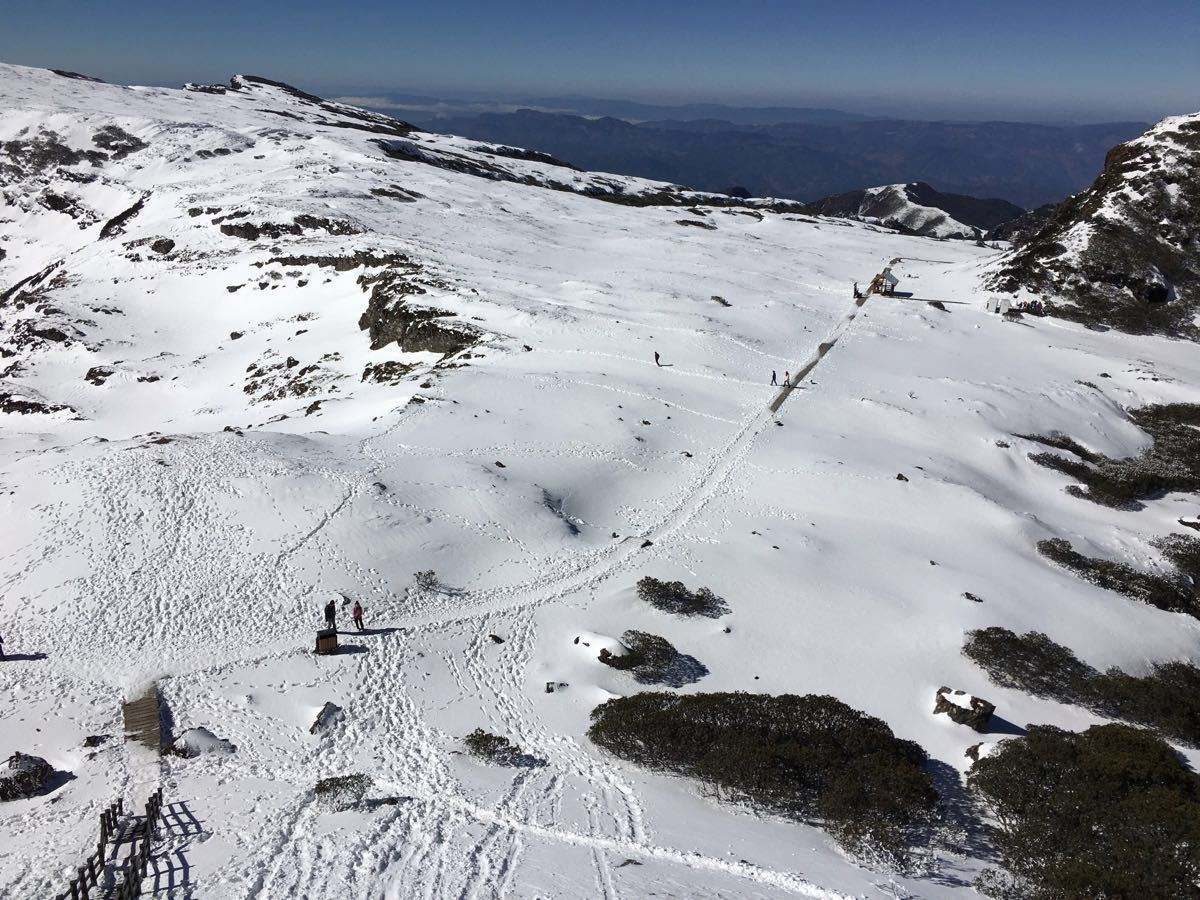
(357, 616)
(656, 362)
(774, 378)
(330, 615)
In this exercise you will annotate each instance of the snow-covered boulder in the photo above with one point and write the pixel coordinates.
(26, 776)
(963, 708)
(197, 741)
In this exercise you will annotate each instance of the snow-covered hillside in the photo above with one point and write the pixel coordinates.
(260, 351)
(918, 208)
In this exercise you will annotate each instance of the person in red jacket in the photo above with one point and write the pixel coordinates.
(357, 615)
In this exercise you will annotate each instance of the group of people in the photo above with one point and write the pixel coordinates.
(356, 615)
(787, 378)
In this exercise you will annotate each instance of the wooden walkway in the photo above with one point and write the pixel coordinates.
(143, 720)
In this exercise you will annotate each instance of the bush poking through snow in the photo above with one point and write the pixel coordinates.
(342, 792)
(674, 597)
(1171, 464)
(1166, 699)
(197, 741)
(1029, 662)
(1171, 594)
(495, 748)
(808, 757)
(1109, 812)
(654, 660)
(24, 776)
(427, 580)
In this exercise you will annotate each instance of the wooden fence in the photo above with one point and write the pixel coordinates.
(86, 882)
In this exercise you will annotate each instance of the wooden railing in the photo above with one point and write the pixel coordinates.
(86, 882)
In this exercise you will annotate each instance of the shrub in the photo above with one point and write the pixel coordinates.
(1167, 699)
(654, 660)
(1171, 464)
(1169, 594)
(427, 580)
(1109, 812)
(342, 792)
(492, 747)
(1029, 662)
(674, 597)
(810, 756)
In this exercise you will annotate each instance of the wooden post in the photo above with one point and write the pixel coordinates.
(74, 890)
(83, 885)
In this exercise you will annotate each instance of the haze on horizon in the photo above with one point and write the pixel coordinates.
(1023, 60)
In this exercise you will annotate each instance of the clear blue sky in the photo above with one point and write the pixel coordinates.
(1016, 59)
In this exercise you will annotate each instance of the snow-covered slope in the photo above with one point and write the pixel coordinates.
(917, 208)
(261, 351)
(1125, 252)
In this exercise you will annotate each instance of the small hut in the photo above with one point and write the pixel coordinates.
(888, 282)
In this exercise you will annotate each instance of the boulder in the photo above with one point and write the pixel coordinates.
(963, 708)
(26, 776)
(196, 741)
(330, 715)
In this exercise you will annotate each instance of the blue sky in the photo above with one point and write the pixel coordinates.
(1046, 60)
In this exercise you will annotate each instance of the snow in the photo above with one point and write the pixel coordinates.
(915, 217)
(204, 561)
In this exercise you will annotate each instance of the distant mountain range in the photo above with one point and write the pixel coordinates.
(790, 152)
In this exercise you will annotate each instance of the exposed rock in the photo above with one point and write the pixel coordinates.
(389, 318)
(195, 741)
(918, 208)
(97, 375)
(963, 708)
(163, 246)
(26, 405)
(116, 225)
(118, 142)
(25, 776)
(390, 372)
(1123, 252)
(299, 224)
(330, 715)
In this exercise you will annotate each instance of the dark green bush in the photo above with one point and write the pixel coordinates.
(1029, 662)
(1110, 812)
(491, 747)
(1171, 594)
(674, 597)
(809, 757)
(654, 660)
(1167, 699)
(1171, 464)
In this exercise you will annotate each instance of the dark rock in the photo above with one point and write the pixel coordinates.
(95, 740)
(902, 477)
(163, 246)
(116, 225)
(496, 639)
(330, 715)
(963, 708)
(25, 776)
(97, 375)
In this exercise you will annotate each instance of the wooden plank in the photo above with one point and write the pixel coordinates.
(143, 720)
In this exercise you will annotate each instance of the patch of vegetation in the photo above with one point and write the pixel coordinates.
(342, 792)
(1109, 812)
(1171, 464)
(654, 660)
(674, 597)
(1166, 699)
(497, 749)
(808, 757)
(1172, 594)
(427, 580)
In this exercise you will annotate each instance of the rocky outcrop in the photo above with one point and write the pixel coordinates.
(963, 708)
(1125, 253)
(390, 318)
(196, 741)
(1019, 229)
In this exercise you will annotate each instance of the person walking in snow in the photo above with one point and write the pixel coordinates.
(330, 615)
(1, 646)
(357, 616)
(857, 295)
(773, 380)
(656, 362)
(787, 378)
